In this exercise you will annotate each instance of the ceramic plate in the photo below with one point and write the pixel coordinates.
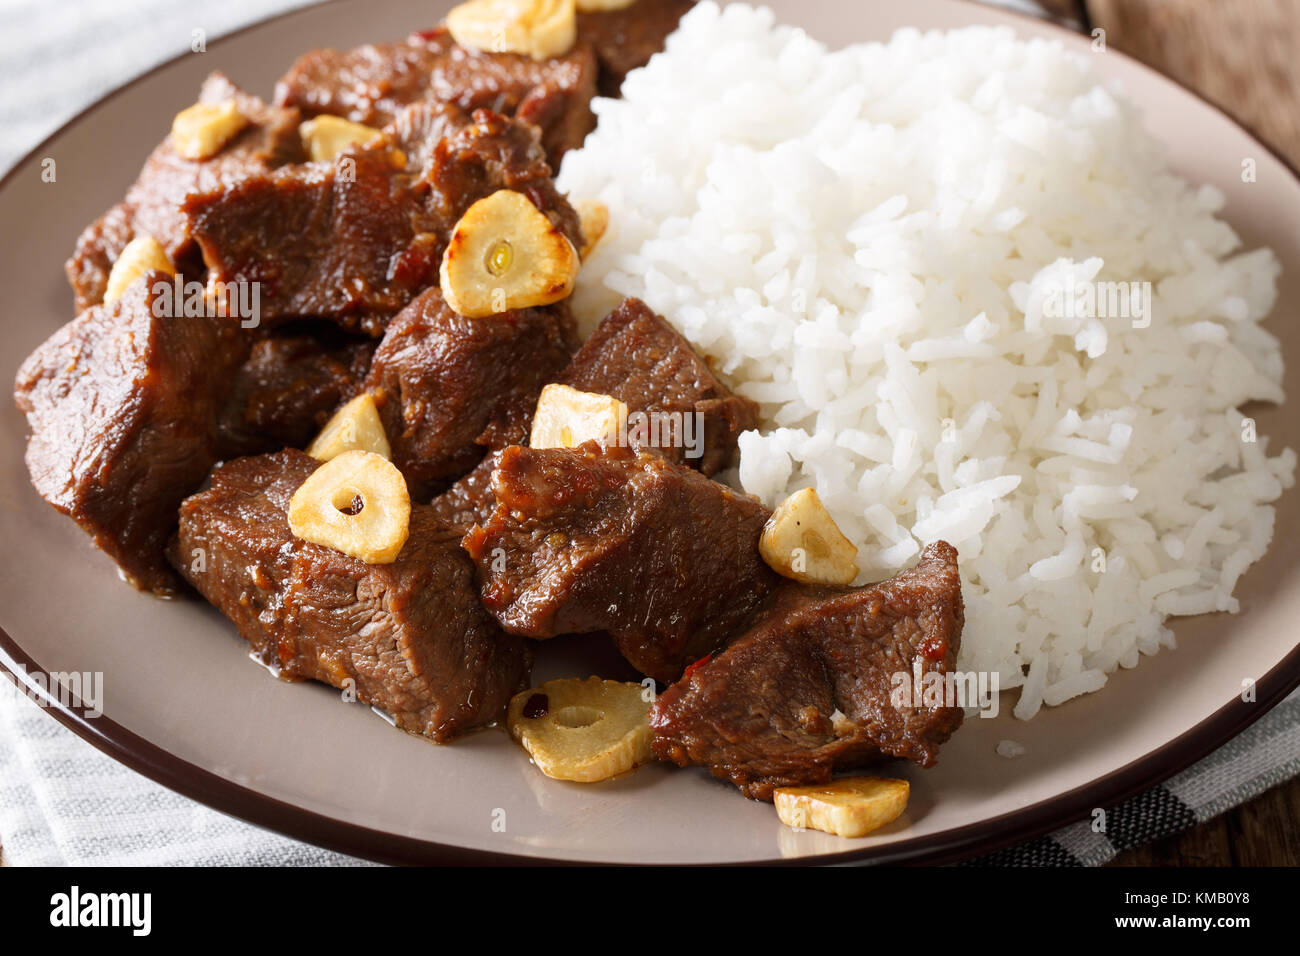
(184, 704)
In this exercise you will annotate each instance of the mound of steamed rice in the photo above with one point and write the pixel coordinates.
(868, 243)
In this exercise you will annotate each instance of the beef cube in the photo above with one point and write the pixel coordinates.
(449, 387)
(288, 387)
(351, 241)
(409, 637)
(122, 403)
(469, 501)
(626, 39)
(371, 84)
(489, 153)
(637, 357)
(807, 689)
(585, 540)
(355, 240)
(153, 204)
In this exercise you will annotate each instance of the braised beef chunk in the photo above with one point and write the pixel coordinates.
(807, 689)
(410, 635)
(289, 386)
(122, 406)
(582, 540)
(354, 241)
(372, 83)
(419, 130)
(153, 204)
(492, 153)
(449, 387)
(637, 357)
(469, 501)
(626, 39)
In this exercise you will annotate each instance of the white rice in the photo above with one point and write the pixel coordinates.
(867, 243)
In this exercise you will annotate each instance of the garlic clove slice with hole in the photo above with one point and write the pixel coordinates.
(583, 730)
(505, 254)
(356, 503)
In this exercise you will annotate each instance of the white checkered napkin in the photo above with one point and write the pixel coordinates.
(58, 58)
(64, 803)
(1264, 755)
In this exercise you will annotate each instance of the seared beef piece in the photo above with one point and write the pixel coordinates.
(371, 84)
(493, 153)
(626, 39)
(122, 405)
(351, 241)
(469, 501)
(659, 556)
(289, 386)
(410, 635)
(640, 359)
(760, 713)
(354, 241)
(418, 130)
(153, 204)
(449, 387)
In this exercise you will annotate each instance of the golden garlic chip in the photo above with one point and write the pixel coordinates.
(603, 6)
(851, 807)
(504, 254)
(354, 427)
(594, 216)
(356, 503)
(802, 541)
(583, 730)
(566, 417)
(200, 131)
(140, 255)
(325, 137)
(538, 28)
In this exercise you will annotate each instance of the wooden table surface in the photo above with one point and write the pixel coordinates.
(1242, 55)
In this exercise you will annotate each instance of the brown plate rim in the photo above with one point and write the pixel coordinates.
(219, 793)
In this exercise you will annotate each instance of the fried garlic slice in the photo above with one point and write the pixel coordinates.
(357, 504)
(802, 541)
(566, 417)
(582, 730)
(538, 28)
(505, 254)
(141, 254)
(202, 130)
(354, 427)
(850, 807)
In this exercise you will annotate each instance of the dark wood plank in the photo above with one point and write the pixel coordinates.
(1262, 832)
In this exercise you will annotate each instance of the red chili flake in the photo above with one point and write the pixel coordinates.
(536, 706)
(692, 668)
(934, 648)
